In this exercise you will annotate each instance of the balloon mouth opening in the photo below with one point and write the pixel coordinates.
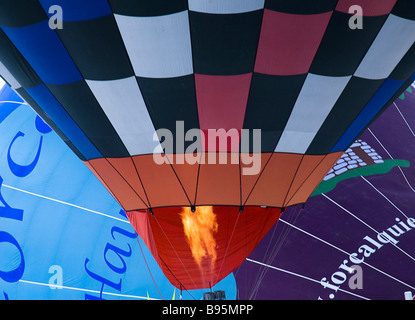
(198, 246)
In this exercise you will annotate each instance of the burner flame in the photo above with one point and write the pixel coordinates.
(199, 228)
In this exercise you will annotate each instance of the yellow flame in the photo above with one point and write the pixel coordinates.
(199, 228)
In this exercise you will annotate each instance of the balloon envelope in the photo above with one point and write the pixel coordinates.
(363, 220)
(62, 235)
(207, 103)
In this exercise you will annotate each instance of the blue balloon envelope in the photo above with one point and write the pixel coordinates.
(62, 235)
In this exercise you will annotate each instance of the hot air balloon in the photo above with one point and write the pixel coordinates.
(206, 119)
(62, 235)
(366, 223)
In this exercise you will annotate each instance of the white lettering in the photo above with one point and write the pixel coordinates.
(356, 280)
(386, 238)
(411, 222)
(179, 310)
